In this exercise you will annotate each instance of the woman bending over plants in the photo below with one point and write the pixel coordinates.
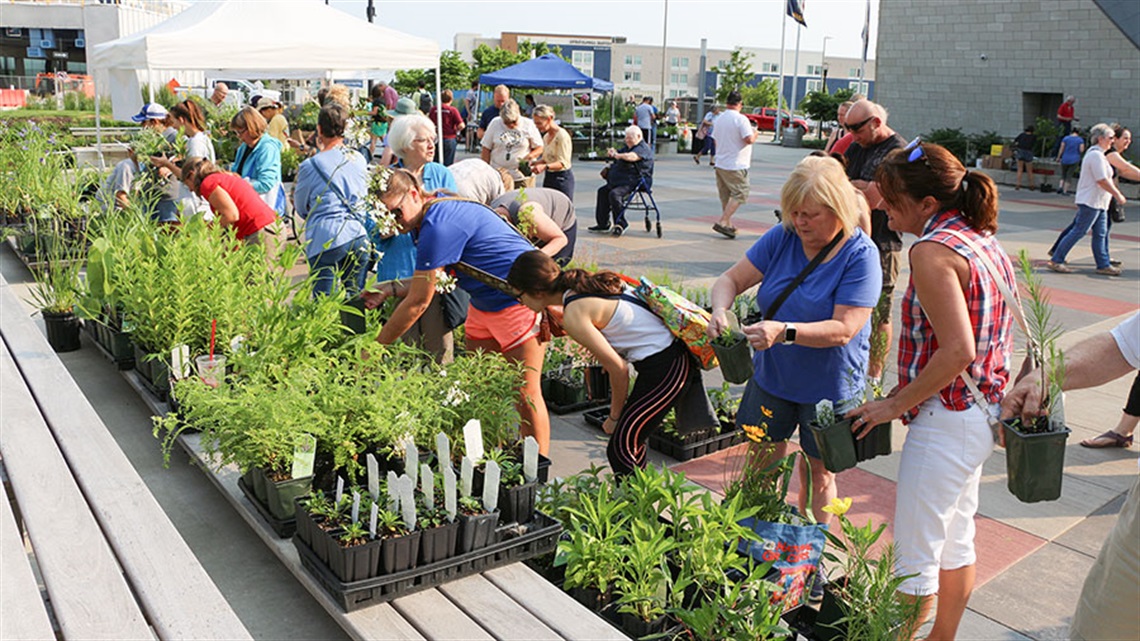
(232, 199)
(602, 315)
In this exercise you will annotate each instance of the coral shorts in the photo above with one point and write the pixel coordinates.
(510, 327)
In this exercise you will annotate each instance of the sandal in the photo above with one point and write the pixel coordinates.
(1060, 268)
(1108, 439)
(725, 230)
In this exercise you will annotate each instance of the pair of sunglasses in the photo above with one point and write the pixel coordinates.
(915, 151)
(859, 125)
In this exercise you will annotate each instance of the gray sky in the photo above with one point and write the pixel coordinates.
(726, 24)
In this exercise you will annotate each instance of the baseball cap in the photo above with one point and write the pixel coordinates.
(150, 111)
(404, 107)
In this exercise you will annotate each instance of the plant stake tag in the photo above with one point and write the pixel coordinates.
(372, 520)
(407, 505)
(473, 439)
(393, 492)
(466, 474)
(427, 485)
(180, 361)
(373, 477)
(411, 461)
(442, 450)
(449, 492)
(491, 486)
(339, 489)
(530, 459)
(356, 507)
(304, 456)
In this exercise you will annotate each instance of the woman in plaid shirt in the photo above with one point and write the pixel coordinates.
(955, 322)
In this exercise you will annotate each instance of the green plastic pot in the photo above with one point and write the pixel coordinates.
(735, 360)
(836, 445)
(279, 496)
(1034, 463)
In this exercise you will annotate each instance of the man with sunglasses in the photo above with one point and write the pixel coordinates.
(872, 141)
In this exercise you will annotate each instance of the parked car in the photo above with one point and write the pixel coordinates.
(765, 119)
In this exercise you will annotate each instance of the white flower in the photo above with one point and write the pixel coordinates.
(445, 283)
(456, 396)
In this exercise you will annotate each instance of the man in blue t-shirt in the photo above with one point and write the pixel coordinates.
(632, 162)
(501, 96)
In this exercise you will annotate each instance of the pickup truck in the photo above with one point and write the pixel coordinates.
(764, 119)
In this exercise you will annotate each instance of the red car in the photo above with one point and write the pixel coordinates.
(765, 119)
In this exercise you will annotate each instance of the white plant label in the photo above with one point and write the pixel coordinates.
(180, 361)
(473, 439)
(411, 461)
(491, 486)
(442, 450)
(356, 507)
(373, 477)
(393, 492)
(466, 475)
(339, 488)
(427, 485)
(407, 505)
(304, 456)
(372, 520)
(449, 501)
(236, 343)
(530, 459)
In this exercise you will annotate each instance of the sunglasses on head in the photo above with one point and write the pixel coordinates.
(915, 151)
(859, 125)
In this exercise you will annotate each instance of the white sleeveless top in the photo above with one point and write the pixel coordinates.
(634, 332)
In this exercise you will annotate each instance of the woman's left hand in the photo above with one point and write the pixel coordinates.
(609, 425)
(868, 415)
(764, 334)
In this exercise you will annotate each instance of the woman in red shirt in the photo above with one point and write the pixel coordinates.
(233, 200)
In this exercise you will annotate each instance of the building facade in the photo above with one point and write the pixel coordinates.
(997, 66)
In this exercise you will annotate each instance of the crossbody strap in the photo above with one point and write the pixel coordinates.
(626, 296)
(815, 262)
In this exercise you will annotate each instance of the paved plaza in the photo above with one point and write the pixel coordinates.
(1032, 559)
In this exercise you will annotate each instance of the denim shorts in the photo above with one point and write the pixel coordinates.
(786, 416)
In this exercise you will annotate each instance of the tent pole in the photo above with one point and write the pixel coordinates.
(150, 84)
(98, 127)
(439, 114)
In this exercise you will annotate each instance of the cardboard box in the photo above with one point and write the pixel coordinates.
(991, 162)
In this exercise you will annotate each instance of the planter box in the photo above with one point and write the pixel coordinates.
(477, 478)
(637, 628)
(692, 445)
(357, 562)
(1035, 464)
(836, 445)
(735, 360)
(398, 553)
(512, 545)
(280, 495)
(153, 374)
(562, 397)
(439, 543)
(827, 625)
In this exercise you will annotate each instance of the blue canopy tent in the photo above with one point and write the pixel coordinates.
(548, 71)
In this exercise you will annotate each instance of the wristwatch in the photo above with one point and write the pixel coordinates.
(789, 333)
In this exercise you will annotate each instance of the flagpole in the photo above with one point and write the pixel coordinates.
(780, 96)
(866, 40)
(795, 76)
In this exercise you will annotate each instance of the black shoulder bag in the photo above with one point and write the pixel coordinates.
(775, 306)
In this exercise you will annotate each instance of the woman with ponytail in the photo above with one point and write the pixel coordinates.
(601, 314)
(957, 327)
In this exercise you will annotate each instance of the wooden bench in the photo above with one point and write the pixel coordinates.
(112, 563)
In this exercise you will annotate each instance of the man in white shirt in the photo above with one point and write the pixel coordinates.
(734, 136)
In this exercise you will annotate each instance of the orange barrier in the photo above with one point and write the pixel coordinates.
(13, 98)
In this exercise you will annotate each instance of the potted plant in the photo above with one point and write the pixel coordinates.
(734, 354)
(643, 584)
(55, 295)
(438, 536)
(476, 525)
(834, 438)
(864, 603)
(741, 609)
(594, 547)
(1035, 451)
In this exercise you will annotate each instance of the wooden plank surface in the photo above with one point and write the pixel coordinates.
(495, 610)
(177, 594)
(23, 614)
(88, 592)
(437, 618)
(555, 608)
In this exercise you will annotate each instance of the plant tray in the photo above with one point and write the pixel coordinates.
(574, 407)
(283, 528)
(680, 450)
(115, 346)
(537, 538)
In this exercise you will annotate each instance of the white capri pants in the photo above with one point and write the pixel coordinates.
(937, 493)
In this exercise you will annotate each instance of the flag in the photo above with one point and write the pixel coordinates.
(866, 30)
(796, 10)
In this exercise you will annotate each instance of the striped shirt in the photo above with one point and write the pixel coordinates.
(990, 318)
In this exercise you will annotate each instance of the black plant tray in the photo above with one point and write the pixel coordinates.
(103, 338)
(575, 407)
(539, 537)
(695, 449)
(283, 529)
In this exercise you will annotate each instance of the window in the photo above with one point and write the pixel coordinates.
(721, 64)
(76, 67)
(33, 66)
(633, 61)
(677, 93)
(853, 72)
(679, 63)
(633, 76)
(8, 65)
(679, 79)
(771, 67)
(858, 87)
(815, 70)
(583, 61)
(814, 85)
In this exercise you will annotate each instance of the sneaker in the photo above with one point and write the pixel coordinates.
(697, 159)
(1062, 268)
(599, 229)
(618, 230)
(1109, 271)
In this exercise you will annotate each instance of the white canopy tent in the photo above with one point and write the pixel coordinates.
(284, 39)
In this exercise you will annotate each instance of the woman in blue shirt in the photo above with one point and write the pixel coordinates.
(816, 345)
(329, 185)
(258, 159)
(459, 234)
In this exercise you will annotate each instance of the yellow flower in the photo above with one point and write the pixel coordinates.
(838, 506)
(755, 432)
(767, 412)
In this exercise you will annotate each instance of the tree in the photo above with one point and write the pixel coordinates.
(454, 74)
(488, 60)
(763, 94)
(824, 107)
(736, 74)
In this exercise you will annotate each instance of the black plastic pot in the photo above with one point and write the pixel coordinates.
(597, 383)
(1034, 463)
(828, 625)
(280, 496)
(357, 562)
(62, 331)
(735, 360)
(636, 627)
(592, 598)
(353, 323)
(517, 503)
(400, 553)
(260, 485)
(438, 543)
(877, 442)
(836, 445)
(477, 531)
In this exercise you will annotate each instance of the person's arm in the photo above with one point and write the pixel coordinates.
(547, 231)
(1107, 185)
(870, 191)
(122, 199)
(266, 166)
(628, 156)
(727, 287)
(301, 190)
(417, 297)
(752, 132)
(1124, 169)
(224, 207)
(864, 220)
(938, 283)
(831, 138)
(1061, 150)
(844, 324)
(579, 320)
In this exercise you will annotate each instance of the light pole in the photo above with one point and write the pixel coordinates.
(823, 63)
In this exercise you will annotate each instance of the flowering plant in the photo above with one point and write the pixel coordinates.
(763, 483)
(383, 222)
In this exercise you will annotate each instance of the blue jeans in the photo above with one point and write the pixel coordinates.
(449, 145)
(347, 262)
(1087, 217)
